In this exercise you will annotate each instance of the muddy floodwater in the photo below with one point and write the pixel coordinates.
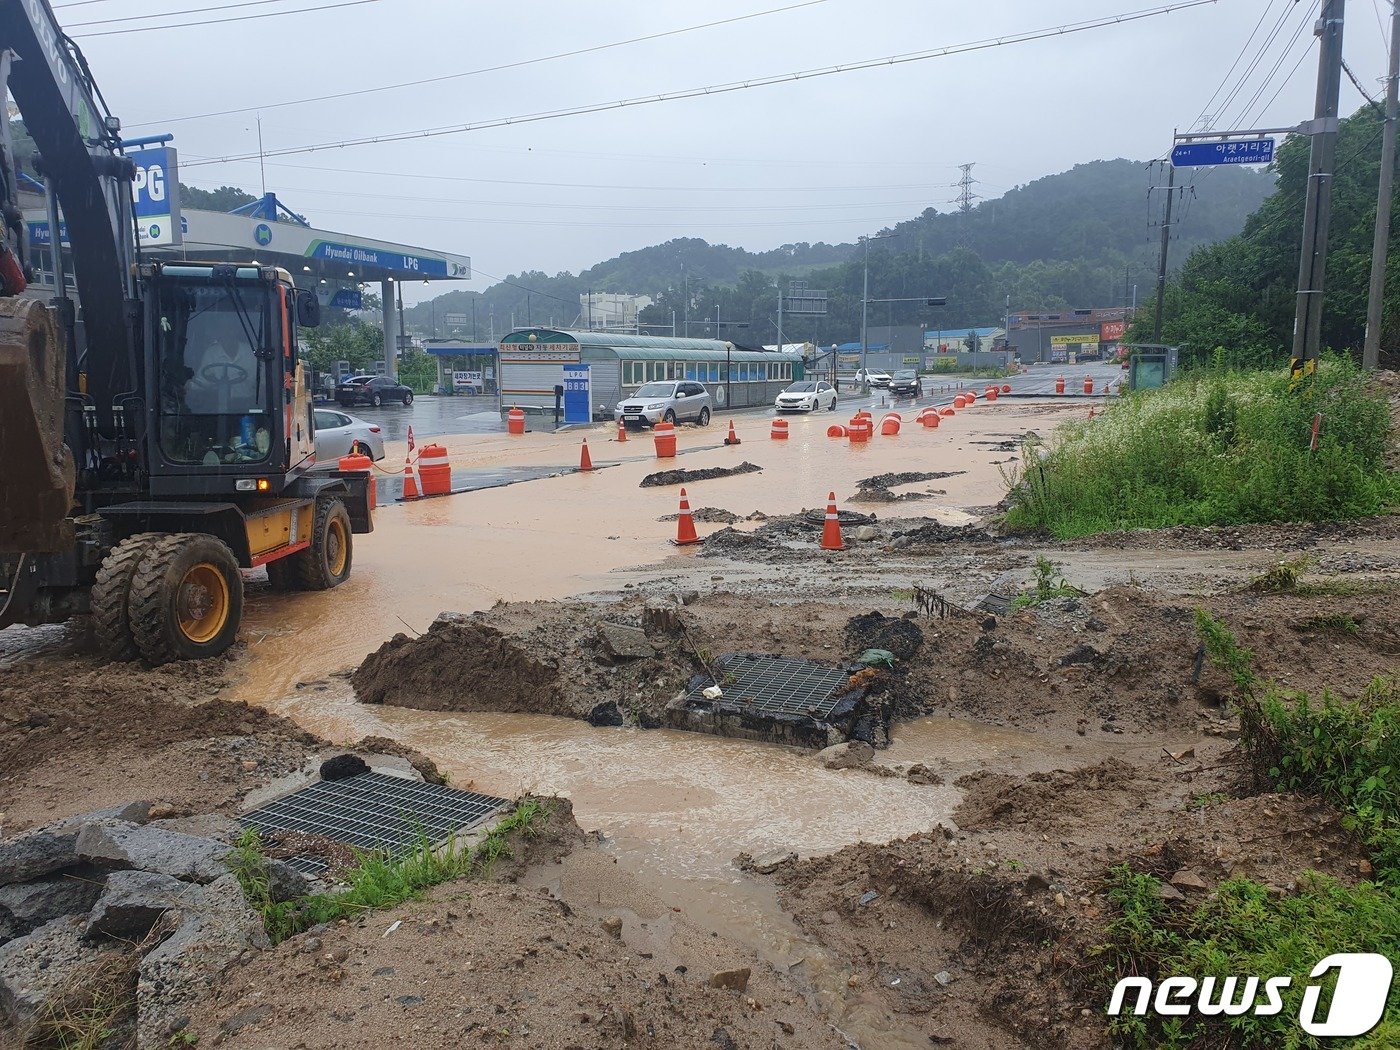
(562, 536)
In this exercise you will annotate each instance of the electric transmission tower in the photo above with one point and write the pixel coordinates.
(965, 184)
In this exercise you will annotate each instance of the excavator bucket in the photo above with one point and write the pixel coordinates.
(36, 466)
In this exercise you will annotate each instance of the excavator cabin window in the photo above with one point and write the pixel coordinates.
(216, 393)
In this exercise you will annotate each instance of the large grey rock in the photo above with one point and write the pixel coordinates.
(33, 967)
(117, 844)
(284, 882)
(134, 901)
(177, 974)
(624, 643)
(26, 906)
(52, 847)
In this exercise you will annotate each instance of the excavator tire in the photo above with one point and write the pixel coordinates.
(186, 600)
(326, 563)
(282, 575)
(109, 596)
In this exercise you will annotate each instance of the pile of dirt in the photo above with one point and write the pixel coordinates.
(459, 664)
(711, 514)
(77, 733)
(878, 489)
(686, 477)
(899, 636)
(997, 800)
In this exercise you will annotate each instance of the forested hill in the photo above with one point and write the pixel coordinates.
(1082, 237)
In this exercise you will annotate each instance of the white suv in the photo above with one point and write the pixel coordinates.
(672, 401)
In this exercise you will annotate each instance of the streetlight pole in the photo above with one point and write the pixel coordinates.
(864, 304)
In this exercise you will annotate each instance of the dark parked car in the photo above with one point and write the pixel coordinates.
(905, 384)
(371, 390)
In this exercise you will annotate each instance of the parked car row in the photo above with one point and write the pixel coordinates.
(372, 390)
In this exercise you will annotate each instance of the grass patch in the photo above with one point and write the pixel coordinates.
(1243, 930)
(1346, 751)
(1208, 799)
(1339, 623)
(1282, 578)
(1048, 584)
(1222, 449)
(378, 880)
(91, 1009)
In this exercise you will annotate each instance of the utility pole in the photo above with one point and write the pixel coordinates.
(1162, 255)
(1312, 265)
(780, 315)
(1370, 353)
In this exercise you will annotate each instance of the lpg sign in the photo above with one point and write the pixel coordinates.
(155, 196)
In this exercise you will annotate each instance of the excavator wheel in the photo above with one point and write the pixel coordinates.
(186, 599)
(282, 575)
(326, 563)
(111, 623)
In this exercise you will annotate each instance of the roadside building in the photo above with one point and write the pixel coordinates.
(1066, 336)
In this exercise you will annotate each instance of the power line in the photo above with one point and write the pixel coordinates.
(219, 21)
(1278, 64)
(574, 224)
(717, 89)
(1259, 57)
(487, 69)
(171, 14)
(1205, 110)
(1357, 84)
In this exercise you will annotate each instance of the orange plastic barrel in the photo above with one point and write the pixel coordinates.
(363, 464)
(664, 435)
(434, 471)
(991, 394)
(779, 431)
(889, 426)
(960, 401)
(929, 419)
(858, 429)
(515, 421)
(836, 430)
(947, 412)
(1006, 388)
(1059, 384)
(1088, 384)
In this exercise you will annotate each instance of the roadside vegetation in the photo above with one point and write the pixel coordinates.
(377, 880)
(1224, 448)
(1049, 583)
(1344, 751)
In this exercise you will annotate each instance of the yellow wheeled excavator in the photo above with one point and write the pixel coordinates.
(155, 432)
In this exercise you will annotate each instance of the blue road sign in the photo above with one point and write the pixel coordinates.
(1237, 151)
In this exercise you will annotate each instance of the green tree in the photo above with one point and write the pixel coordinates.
(353, 340)
(225, 198)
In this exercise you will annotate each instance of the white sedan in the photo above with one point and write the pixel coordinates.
(874, 378)
(806, 396)
(337, 432)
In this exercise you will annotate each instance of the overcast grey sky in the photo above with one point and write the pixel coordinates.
(821, 159)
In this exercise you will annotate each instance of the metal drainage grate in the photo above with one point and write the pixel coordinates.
(777, 687)
(374, 811)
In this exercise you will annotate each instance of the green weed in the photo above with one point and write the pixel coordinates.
(1337, 622)
(1048, 584)
(1281, 578)
(1214, 449)
(1208, 799)
(378, 880)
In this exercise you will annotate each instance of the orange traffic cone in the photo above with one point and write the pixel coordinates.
(1091, 411)
(410, 483)
(685, 525)
(733, 438)
(831, 531)
(621, 430)
(585, 461)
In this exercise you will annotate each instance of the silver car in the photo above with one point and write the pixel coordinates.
(676, 401)
(337, 432)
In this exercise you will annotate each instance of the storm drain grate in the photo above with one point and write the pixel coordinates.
(374, 811)
(777, 686)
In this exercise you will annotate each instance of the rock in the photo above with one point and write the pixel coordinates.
(53, 847)
(27, 906)
(735, 980)
(943, 977)
(606, 714)
(767, 863)
(866, 533)
(163, 811)
(989, 623)
(1364, 868)
(688, 597)
(1186, 879)
(722, 1039)
(867, 898)
(284, 882)
(830, 918)
(612, 925)
(853, 754)
(921, 774)
(117, 844)
(661, 618)
(245, 1018)
(134, 901)
(341, 766)
(33, 967)
(1167, 892)
(624, 643)
(181, 971)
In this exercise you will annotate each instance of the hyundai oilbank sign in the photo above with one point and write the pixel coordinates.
(155, 196)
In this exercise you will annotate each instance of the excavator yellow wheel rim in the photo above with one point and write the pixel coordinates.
(337, 547)
(202, 604)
